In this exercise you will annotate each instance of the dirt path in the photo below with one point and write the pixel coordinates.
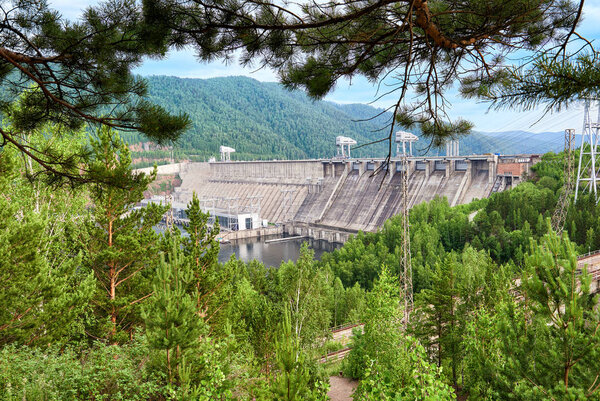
(341, 388)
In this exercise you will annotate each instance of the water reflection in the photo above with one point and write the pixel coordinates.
(272, 254)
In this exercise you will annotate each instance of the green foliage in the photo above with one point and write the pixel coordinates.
(440, 329)
(460, 286)
(211, 282)
(339, 302)
(501, 225)
(44, 292)
(98, 373)
(553, 79)
(262, 120)
(81, 74)
(120, 243)
(305, 290)
(292, 377)
(253, 316)
(545, 347)
(173, 326)
(243, 330)
(390, 364)
(314, 47)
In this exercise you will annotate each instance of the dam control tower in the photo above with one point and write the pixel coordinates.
(226, 152)
(342, 144)
(404, 138)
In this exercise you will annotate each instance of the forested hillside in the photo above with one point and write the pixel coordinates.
(259, 120)
(262, 120)
(99, 306)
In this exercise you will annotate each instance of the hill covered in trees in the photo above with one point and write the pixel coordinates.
(98, 305)
(263, 120)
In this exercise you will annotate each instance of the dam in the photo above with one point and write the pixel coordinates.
(330, 199)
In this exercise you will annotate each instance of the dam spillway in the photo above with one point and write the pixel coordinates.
(346, 195)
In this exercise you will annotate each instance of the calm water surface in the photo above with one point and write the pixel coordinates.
(272, 254)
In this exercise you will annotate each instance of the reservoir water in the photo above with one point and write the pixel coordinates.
(272, 254)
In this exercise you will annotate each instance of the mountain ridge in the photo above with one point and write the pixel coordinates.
(263, 120)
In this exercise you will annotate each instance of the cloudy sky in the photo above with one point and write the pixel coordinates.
(359, 90)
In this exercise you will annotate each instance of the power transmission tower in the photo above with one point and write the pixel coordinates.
(560, 213)
(588, 173)
(406, 267)
(288, 200)
(169, 218)
(254, 205)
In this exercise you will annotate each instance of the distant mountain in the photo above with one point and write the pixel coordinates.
(263, 120)
(260, 120)
(512, 142)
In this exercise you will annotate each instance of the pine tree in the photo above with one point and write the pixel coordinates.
(553, 78)
(210, 279)
(81, 74)
(120, 241)
(44, 292)
(545, 343)
(292, 377)
(430, 45)
(173, 327)
(438, 324)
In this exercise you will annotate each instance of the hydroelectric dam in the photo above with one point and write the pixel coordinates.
(330, 199)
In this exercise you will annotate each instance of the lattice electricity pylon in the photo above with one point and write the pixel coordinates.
(406, 267)
(233, 208)
(560, 213)
(169, 218)
(253, 204)
(288, 199)
(208, 205)
(588, 175)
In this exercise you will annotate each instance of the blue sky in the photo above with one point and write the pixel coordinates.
(359, 90)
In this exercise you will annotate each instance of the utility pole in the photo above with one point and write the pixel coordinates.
(406, 267)
(560, 213)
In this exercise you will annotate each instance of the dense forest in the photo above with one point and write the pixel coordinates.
(262, 120)
(98, 306)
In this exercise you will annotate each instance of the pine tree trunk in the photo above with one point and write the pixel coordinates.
(112, 296)
(113, 282)
(452, 317)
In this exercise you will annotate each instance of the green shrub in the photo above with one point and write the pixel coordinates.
(100, 373)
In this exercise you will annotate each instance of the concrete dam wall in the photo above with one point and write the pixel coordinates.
(332, 198)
